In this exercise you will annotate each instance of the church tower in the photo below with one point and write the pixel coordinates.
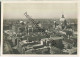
(62, 18)
(63, 21)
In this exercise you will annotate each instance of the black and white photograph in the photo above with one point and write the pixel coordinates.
(40, 28)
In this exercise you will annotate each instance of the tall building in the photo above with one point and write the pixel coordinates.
(63, 22)
(62, 18)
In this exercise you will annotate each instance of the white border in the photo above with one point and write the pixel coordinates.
(79, 27)
(11, 55)
(39, 2)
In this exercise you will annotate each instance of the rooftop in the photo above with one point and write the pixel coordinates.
(52, 38)
(25, 42)
(55, 38)
(73, 50)
(68, 40)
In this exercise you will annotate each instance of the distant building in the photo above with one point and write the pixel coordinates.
(63, 22)
(55, 50)
(30, 29)
(14, 40)
(45, 41)
(62, 18)
(24, 46)
(55, 24)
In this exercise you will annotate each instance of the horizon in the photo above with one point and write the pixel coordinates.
(37, 18)
(43, 19)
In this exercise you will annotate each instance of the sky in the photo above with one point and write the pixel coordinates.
(39, 10)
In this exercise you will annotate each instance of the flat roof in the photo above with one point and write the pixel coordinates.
(53, 38)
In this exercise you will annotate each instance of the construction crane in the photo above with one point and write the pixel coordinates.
(36, 24)
(33, 21)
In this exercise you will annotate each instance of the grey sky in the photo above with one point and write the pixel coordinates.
(39, 10)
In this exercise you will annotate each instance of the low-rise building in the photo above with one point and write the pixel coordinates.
(25, 45)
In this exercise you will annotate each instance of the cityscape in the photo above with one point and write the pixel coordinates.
(40, 28)
(40, 36)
